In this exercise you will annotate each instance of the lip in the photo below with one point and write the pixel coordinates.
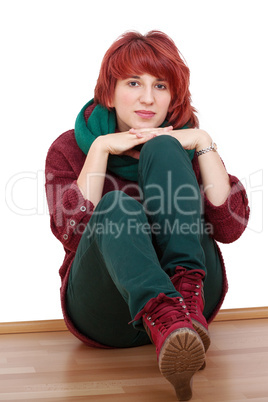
(145, 114)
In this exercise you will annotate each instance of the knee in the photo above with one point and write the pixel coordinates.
(161, 145)
(118, 202)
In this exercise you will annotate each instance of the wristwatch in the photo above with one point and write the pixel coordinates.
(213, 147)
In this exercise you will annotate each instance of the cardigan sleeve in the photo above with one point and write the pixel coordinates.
(69, 210)
(230, 219)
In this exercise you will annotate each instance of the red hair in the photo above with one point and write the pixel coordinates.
(156, 54)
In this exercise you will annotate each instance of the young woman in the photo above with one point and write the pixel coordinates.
(138, 195)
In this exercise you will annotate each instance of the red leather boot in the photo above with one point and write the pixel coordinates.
(179, 349)
(189, 283)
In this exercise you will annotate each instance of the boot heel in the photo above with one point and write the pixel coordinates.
(182, 355)
(179, 348)
(203, 333)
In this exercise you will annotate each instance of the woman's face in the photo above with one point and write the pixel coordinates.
(141, 102)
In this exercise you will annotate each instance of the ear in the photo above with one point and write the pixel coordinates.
(110, 103)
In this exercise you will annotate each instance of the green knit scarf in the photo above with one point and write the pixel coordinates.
(101, 122)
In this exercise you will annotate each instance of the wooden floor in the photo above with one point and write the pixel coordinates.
(56, 367)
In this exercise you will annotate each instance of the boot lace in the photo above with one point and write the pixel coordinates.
(190, 282)
(164, 311)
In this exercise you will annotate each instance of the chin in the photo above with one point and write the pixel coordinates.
(145, 124)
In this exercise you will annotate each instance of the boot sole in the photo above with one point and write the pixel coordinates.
(203, 333)
(181, 356)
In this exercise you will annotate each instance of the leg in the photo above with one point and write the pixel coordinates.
(115, 273)
(172, 202)
(172, 199)
(213, 284)
(166, 170)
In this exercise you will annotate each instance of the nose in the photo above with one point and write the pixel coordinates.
(147, 96)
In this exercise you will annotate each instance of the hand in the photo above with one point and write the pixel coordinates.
(141, 132)
(190, 138)
(123, 143)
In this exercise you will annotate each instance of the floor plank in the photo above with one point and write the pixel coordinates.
(55, 366)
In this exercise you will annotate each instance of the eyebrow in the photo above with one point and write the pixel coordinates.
(137, 77)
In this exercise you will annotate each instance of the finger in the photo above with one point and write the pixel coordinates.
(146, 136)
(169, 128)
(132, 131)
(166, 130)
(151, 130)
(163, 130)
(142, 130)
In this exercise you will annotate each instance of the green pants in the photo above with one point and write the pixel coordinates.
(129, 250)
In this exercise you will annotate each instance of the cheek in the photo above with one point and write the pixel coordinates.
(126, 99)
(166, 102)
(123, 102)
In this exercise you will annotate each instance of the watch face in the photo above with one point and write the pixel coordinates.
(214, 146)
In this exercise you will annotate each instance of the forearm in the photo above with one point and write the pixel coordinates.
(92, 175)
(215, 179)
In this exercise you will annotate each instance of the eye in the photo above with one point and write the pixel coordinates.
(133, 83)
(161, 86)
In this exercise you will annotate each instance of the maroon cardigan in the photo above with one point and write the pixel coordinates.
(70, 212)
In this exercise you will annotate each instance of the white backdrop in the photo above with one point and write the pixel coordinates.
(51, 53)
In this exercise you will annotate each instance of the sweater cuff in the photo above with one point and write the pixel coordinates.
(78, 211)
(230, 219)
(233, 202)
